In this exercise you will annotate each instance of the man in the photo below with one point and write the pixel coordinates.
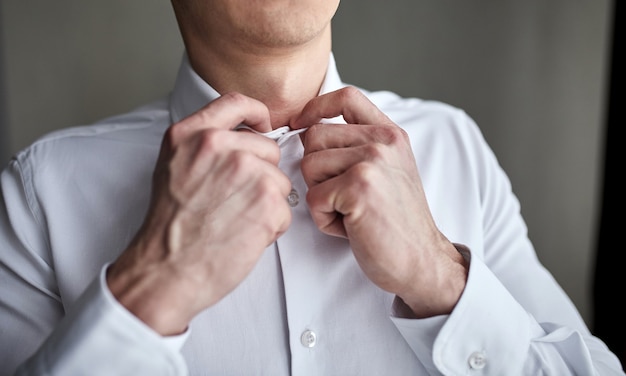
(268, 219)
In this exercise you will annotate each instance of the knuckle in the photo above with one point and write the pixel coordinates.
(240, 161)
(235, 97)
(398, 135)
(313, 131)
(311, 138)
(269, 199)
(270, 191)
(267, 186)
(173, 134)
(375, 151)
(316, 137)
(350, 93)
(363, 174)
(306, 165)
(391, 135)
(210, 139)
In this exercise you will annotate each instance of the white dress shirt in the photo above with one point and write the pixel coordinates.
(72, 201)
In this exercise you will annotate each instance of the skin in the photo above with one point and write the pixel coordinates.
(268, 59)
(273, 50)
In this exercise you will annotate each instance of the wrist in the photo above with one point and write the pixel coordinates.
(152, 295)
(440, 292)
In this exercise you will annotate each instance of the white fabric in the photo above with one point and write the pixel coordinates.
(73, 200)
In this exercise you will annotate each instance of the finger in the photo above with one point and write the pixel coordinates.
(261, 200)
(226, 112)
(212, 140)
(327, 136)
(349, 102)
(259, 196)
(240, 174)
(322, 165)
(330, 203)
(231, 168)
(273, 176)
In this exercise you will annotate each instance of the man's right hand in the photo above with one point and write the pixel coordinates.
(218, 200)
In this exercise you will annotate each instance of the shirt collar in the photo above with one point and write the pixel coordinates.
(191, 92)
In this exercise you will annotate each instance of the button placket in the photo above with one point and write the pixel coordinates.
(304, 340)
(280, 135)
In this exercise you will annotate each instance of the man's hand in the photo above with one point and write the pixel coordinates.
(364, 185)
(218, 200)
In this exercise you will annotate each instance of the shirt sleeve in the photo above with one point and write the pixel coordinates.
(100, 334)
(513, 318)
(95, 334)
(490, 333)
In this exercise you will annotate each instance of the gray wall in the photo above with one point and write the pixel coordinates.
(4, 142)
(532, 74)
(71, 62)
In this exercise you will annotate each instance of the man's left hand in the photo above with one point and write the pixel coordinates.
(364, 185)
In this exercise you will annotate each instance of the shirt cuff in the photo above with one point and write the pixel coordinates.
(477, 333)
(421, 334)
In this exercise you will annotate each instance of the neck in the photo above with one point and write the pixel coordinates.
(283, 78)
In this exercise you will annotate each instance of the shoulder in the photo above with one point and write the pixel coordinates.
(96, 152)
(122, 126)
(441, 135)
(430, 119)
(143, 125)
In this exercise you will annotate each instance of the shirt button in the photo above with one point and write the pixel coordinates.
(308, 338)
(293, 199)
(478, 360)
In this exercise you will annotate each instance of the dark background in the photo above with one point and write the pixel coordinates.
(609, 308)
